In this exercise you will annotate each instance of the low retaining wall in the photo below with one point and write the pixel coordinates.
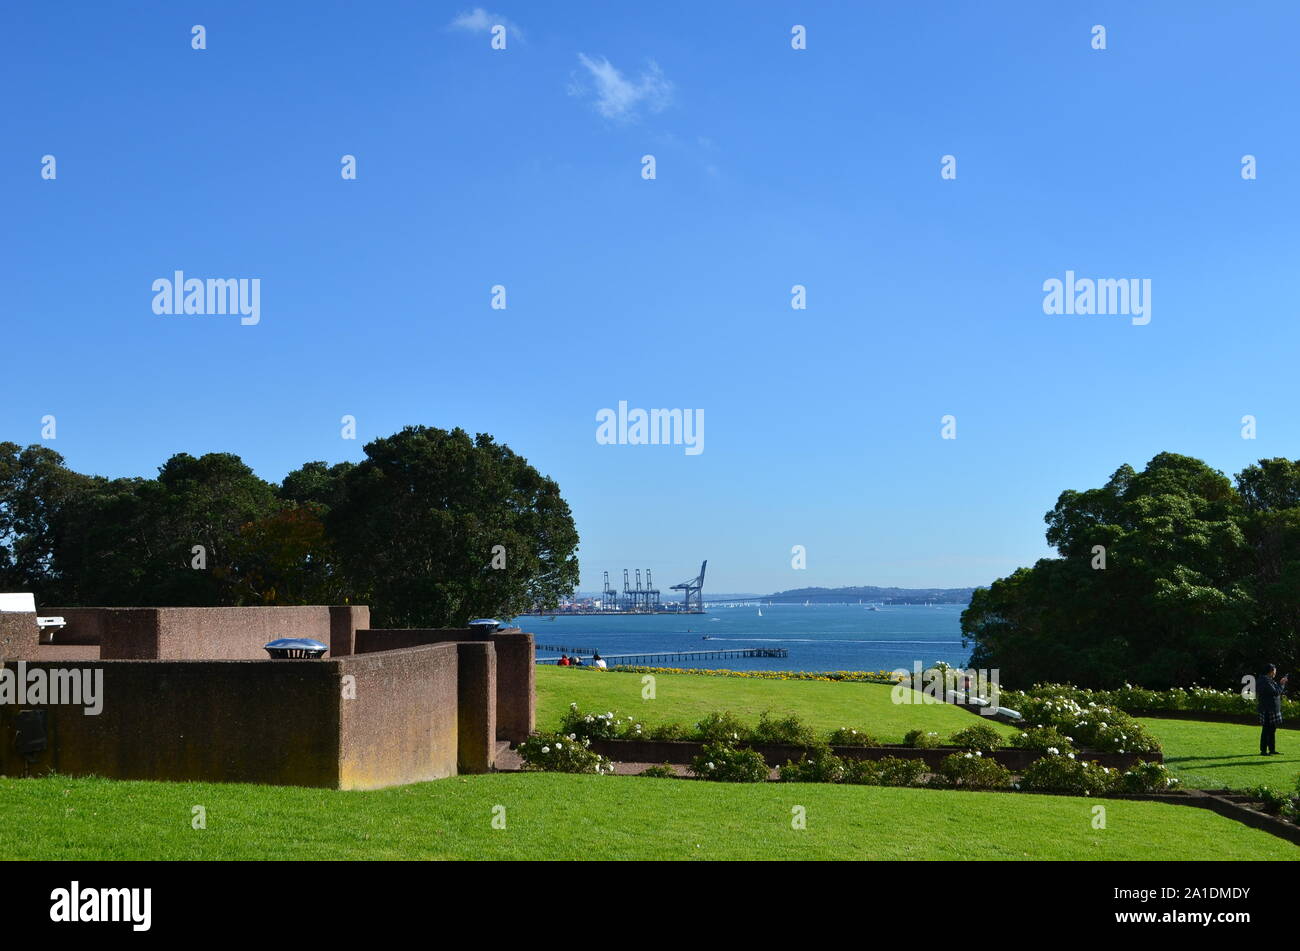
(351, 723)
(680, 752)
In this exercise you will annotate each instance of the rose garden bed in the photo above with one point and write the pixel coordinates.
(683, 752)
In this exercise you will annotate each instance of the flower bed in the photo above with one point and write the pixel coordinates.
(684, 752)
(1228, 705)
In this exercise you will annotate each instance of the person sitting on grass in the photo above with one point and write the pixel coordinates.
(598, 661)
(564, 661)
(576, 662)
(1268, 698)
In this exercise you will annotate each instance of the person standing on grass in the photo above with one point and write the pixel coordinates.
(1268, 698)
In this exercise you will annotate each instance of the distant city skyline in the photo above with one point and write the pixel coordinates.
(500, 261)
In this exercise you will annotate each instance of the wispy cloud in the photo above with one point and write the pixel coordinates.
(617, 96)
(479, 20)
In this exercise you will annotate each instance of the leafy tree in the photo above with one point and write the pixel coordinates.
(1174, 604)
(418, 520)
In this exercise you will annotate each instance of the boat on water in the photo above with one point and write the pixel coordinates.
(760, 612)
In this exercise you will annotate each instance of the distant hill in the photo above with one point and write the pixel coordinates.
(871, 593)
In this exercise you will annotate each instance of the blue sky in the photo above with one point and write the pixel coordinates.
(775, 167)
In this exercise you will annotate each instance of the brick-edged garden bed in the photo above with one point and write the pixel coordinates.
(682, 752)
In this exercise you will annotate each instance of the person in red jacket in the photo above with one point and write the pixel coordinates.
(564, 661)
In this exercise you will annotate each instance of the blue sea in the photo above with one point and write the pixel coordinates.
(818, 637)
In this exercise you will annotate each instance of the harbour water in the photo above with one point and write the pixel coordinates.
(818, 636)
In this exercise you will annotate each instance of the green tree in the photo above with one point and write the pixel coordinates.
(418, 521)
(1173, 604)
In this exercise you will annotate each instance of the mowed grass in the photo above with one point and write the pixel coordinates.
(564, 817)
(1208, 755)
(686, 698)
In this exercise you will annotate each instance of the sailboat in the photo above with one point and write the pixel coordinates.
(760, 612)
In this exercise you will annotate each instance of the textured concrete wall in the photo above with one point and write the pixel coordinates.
(228, 721)
(389, 639)
(516, 657)
(516, 684)
(18, 634)
(366, 719)
(84, 625)
(476, 707)
(345, 621)
(401, 723)
(207, 633)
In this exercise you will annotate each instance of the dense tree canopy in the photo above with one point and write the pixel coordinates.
(1168, 576)
(411, 530)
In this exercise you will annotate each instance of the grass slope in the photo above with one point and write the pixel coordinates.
(1209, 755)
(686, 698)
(551, 816)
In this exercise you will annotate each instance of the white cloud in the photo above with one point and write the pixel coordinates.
(479, 20)
(618, 97)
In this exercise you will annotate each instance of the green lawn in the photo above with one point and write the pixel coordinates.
(552, 816)
(1209, 755)
(686, 698)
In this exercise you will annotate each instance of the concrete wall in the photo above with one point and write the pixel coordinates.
(402, 724)
(84, 625)
(224, 721)
(516, 684)
(516, 657)
(476, 707)
(18, 634)
(188, 694)
(206, 633)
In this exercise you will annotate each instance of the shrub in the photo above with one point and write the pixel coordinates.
(1272, 801)
(1094, 727)
(1130, 698)
(972, 771)
(820, 765)
(599, 726)
(1067, 774)
(788, 730)
(727, 764)
(921, 739)
(660, 772)
(847, 737)
(722, 727)
(863, 772)
(553, 753)
(896, 771)
(981, 737)
(667, 732)
(1147, 777)
(1043, 739)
